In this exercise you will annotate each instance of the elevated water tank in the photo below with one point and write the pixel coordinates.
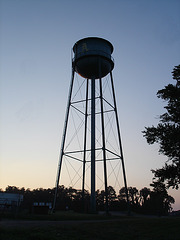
(92, 57)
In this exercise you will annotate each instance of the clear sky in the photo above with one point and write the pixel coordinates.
(36, 38)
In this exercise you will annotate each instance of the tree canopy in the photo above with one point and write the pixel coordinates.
(167, 133)
(145, 201)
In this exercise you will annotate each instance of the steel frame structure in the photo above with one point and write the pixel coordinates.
(93, 149)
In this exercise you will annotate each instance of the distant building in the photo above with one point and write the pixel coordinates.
(42, 207)
(10, 201)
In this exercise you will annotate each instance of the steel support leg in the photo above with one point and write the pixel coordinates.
(120, 144)
(103, 145)
(93, 153)
(63, 139)
(85, 139)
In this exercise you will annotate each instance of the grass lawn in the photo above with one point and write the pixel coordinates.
(93, 227)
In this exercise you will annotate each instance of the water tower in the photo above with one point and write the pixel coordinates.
(92, 60)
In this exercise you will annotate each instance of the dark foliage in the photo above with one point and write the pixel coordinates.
(145, 201)
(167, 133)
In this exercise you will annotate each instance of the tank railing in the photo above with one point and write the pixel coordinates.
(92, 53)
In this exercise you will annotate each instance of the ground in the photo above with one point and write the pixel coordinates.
(94, 228)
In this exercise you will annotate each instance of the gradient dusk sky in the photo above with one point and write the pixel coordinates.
(36, 39)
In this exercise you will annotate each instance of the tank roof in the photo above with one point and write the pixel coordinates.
(84, 39)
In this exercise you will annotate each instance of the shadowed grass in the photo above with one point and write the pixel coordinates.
(121, 228)
(58, 216)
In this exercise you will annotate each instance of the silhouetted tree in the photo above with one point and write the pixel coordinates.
(160, 201)
(133, 195)
(100, 199)
(167, 133)
(144, 195)
(111, 194)
(13, 189)
(122, 198)
(156, 201)
(122, 194)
